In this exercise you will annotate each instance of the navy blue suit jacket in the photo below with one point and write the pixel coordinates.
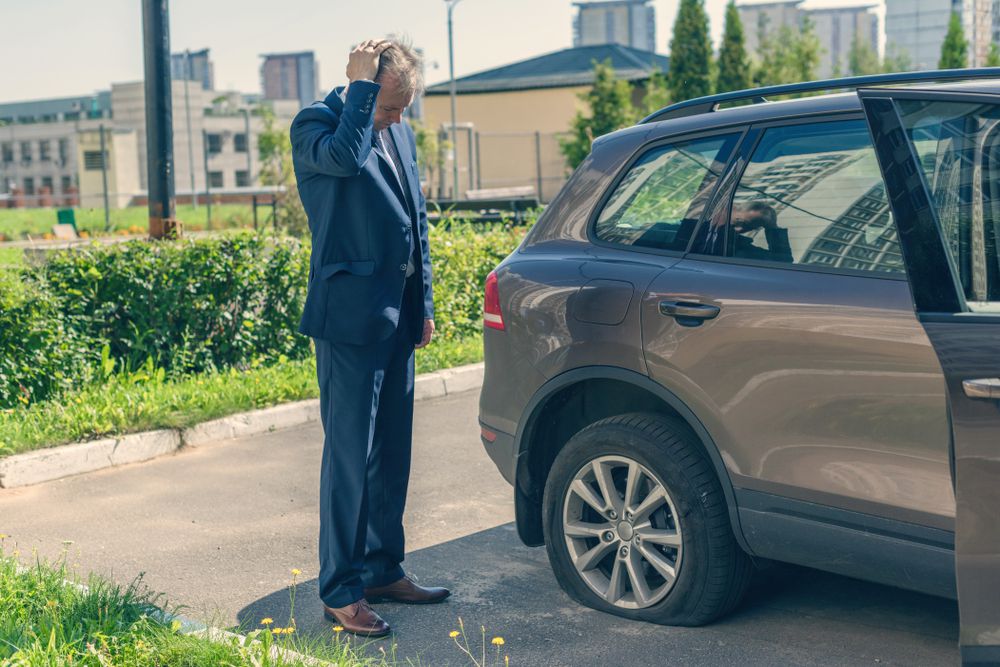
(359, 219)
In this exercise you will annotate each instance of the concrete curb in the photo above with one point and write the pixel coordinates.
(45, 465)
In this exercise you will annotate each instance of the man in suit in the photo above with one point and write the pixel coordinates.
(369, 305)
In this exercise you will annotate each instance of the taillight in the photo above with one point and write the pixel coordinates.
(492, 317)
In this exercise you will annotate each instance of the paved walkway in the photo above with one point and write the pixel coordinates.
(218, 529)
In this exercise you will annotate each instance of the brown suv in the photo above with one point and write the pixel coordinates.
(753, 332)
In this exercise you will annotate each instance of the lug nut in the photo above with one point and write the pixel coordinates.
(608, 536)
(628, 515)
(624, 552)
(613, 514)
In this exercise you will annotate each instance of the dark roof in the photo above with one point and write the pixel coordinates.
(559, 69)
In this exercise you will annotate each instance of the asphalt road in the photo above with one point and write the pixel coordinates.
(219, 528)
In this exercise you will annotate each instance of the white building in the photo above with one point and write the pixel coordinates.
(918, 27)
(627, 22)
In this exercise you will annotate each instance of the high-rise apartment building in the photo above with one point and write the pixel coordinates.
(290, 76)
(193, 66)
(918, 27)
(627, 22)
(836, 28)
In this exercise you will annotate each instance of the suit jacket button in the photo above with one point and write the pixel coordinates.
(402, 267)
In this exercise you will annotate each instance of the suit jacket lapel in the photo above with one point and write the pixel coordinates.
(386, 167)
(402, 148)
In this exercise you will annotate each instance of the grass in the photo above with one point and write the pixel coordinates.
(19, 223)
(145, 401)
(48, 616)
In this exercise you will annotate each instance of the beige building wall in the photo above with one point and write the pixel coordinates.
(517, 134)
(122, 168)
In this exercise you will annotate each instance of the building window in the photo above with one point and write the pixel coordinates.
(25, 151)
(215, 179)
(93, 160)
(7, 151)
(67, 184)
(240, 142)
(47, 183)
(214, 144)
(44, 151)
(29, 186)
(63, 151)
(242, 179)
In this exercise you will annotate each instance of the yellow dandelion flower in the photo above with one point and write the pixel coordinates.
(266, 621)
(453, 634)
(51, 603)
(498, 641)
(338, 629)
(296, 572)
(289, 631)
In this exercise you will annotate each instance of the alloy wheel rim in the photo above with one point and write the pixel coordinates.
(621, 531)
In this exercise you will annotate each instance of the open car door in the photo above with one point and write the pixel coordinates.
(939, 152)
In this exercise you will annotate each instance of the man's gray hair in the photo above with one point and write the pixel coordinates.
(403, 62)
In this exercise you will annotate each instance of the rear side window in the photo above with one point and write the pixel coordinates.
(660, 200)
(812, 194)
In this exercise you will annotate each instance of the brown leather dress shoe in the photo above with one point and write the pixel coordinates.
(358, 619)
(407, 591)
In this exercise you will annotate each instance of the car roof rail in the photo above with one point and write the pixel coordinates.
(709, 103)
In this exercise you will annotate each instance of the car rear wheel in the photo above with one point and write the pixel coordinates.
(636, 523)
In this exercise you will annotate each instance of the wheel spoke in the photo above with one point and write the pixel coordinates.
(666, 538)
(638, 579)
(586, 493)
(659, 562)
(632, 483)
(592, 557)
(656, 497)
(584, 529)
(615, 589)
(602, 472)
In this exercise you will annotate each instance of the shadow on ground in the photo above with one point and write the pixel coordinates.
(792, 616)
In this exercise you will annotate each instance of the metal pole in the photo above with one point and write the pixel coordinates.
(472, 183)
(254, 199)
(538, 162)
(479, 165)
(159, 119)
(454, 133)
(104, 180)
(208, 181)
(187, 110)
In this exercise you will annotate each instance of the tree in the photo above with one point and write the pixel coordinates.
(734, 65)
(896, 60)
(274, 148)
(993, 57)
(610, 104)
(656, 94)
(431, 152)
(862, 58)
(690, 53)
(786, 56)
(954, 49)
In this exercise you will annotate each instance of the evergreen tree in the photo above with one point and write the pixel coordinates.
(690, 53)
(734, 65)
(896, 60)
(993, 57)
(610, 104)
(786, 56)
(656, 94)
(862, 58)
(954, 49)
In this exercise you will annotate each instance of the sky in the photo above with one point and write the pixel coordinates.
(60, 48)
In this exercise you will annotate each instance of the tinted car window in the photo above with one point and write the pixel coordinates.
(958, 145)
(660, 200)
(811, 194)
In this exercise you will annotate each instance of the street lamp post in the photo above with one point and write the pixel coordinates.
(454, 131)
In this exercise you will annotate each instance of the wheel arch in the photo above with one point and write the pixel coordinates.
(559, 409)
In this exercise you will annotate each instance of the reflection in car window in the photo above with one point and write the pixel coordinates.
(958, 146)
(811, 194)
(661, 198)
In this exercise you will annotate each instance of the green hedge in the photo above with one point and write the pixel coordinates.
(195, 306)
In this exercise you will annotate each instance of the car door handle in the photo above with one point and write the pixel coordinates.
(985, 388)
(698, 311)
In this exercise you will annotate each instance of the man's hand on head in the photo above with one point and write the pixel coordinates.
(363, 62)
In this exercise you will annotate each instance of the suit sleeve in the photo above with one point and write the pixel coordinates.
(336, 146)
(422, 227)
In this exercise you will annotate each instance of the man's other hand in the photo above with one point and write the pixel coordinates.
(363, 63)
(428, 334)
